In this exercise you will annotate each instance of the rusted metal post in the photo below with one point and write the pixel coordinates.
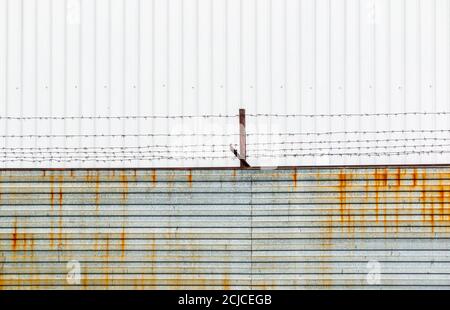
(242, 154)
(242, 136)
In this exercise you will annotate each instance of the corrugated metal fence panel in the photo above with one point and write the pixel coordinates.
(183, 57)
(283, 228)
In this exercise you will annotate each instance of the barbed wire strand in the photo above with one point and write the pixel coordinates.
(210, 116)
(107, 158)
(284, 155)
(115, 152)
(351, 147)
(351, 132)
(214, 146)
(162, 146)
(349, 114)
(370, 154)
(225, 134)
(217, 150)
(350, 141)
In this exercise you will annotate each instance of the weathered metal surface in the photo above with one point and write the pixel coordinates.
(224, 229)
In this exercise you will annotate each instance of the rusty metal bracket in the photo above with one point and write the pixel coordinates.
(244, 163)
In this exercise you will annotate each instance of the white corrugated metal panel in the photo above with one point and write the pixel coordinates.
(353, 227)
(183, 57)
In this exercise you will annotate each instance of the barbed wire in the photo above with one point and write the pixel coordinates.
(212, 146)
(116, 157)
(124, 135)
(208, 116)
(108, 158)
(369, 154)
(118, 117)
(140, 152)
(102, 148)
(224, 149)
(351, 147)
(350, 132)
(349, 114)
(350, 141)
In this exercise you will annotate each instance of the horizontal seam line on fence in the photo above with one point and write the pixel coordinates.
(246, 239)
(235, 273)
(226, 250)
(234, 204)
(232, 227)
(234, 262)
(254, 193)
(237, 215)
(237, 180)
(224, 285)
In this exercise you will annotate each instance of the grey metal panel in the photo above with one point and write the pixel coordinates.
(226, 228)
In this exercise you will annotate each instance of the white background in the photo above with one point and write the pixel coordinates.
(201, 57)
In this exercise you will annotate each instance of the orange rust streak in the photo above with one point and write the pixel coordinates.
(190, 178)
(442, 201)
(414, 176)
(154, 177)
(60, 223)
(97, 191)
(377, 192)
(52, 204)
(399, 177)
(124, 186)
(342, 194)
(294, 177)
(14, 235)
(122, 241)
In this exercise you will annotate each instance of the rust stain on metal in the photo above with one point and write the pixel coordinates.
(97, 191)
(343, 196)
(441, 201)
(123, 237)
(52, 207)
(414, 177)
(124, 180)
(154, 177)
(399, 177)
(106, 269)
(294, 178)
(423, 200)
(190, 178)
(381, 180)
(60, 217)
(14, 235)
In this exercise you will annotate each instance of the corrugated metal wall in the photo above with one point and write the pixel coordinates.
(354, 227)
(180, 57)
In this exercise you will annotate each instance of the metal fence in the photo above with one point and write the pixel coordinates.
(332, 227)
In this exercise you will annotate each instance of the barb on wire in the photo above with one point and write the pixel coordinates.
(352, 147)
(350, 132)
(106, 148)
(290, 142)
(116, 117)
(208, 116)
(360, 154)
(107, 158)
(113, 152)
(350, 114)
(124, 135)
